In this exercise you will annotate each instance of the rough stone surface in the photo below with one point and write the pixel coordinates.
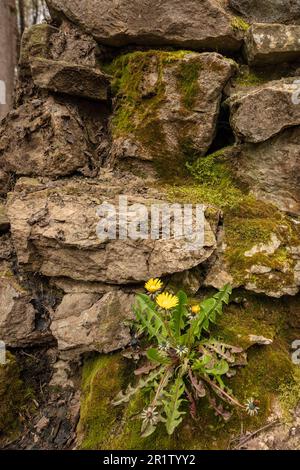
(169, 120)
(54, 232)
(272, 44)
(73, 79)
(97, 323)
(281, 278)
(271, 170)
(259, 114)
(191, 24)
(268, 11)
(45, 137)
(17, 314)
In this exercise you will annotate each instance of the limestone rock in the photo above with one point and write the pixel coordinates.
(73, 79)
(189, 24)
(17, 314)
(97, 324)
(272, 44)
(270, 267)
(54, 232)
(271, 170)
(63, 60)
(268, 11)
(44, 137)
(259, 114)
(167, 105)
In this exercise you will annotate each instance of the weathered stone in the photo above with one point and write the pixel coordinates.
(167, 105)
(36, 42)
(17, 314)
(44, 137)
(54, 231)
(73, 79)
(270, 267)
(4, 221)
(268, 11)
(258, 114)
(272, 44)
(271, 170)
(96, 324)
(189, 24)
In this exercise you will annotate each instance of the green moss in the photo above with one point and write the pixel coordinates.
(13, 397)
(289, 394)
(238, 24)
(102, 379)
(248, 77)
(188, 75)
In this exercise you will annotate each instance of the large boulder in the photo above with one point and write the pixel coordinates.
(260, 113)
(97, 322)
(198, 25)
(272, 44)
(54, 232)
(48, 137)
(167, 105)
(268, 11)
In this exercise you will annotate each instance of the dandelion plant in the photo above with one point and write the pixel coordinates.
(185, 363)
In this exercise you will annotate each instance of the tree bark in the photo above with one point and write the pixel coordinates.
(8, 49)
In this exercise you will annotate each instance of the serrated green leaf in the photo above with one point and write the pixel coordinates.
(149, 318)
(131, 391)
(155, 356)
(172, 405)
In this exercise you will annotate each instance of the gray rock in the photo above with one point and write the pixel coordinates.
(54, 232)
(178, 98)
(271, 170)
(272, 44)
(83, 323)
(73, 79)
(17, 315)
(47, 138)
(260, 113)
(268, 11)
(189, 24)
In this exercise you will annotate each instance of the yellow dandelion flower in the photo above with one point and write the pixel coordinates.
(167, 301)
(153, 285)
(195, 309)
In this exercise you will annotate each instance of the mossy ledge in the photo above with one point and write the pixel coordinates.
(268, 376)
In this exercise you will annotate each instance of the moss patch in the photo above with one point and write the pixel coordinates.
(238, 24)
(13, 396)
